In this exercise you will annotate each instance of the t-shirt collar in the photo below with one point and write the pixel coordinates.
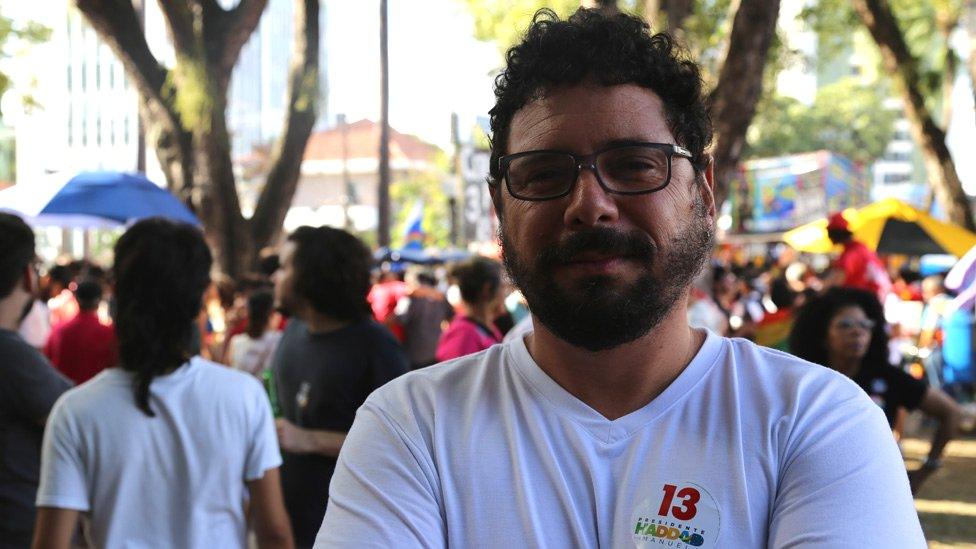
(602, 428)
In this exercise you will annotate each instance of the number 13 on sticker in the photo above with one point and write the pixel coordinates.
(687, 497)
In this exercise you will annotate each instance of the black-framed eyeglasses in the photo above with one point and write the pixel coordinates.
(629, 169)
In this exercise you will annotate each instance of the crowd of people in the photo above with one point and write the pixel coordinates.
(624, 382)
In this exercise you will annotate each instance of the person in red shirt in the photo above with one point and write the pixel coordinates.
(857, 266)
(82, 346)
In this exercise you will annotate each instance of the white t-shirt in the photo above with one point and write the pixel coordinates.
(748, 447)
(253, 355)
(174, 480)
(36, 326)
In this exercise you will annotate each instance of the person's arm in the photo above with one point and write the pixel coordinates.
(298, 440)
(841, 480)
(54, 528)
(268, 513)
(937, 404)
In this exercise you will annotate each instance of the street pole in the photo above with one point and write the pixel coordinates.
(140, 6)
(346, 183)
(456, 204)
(383, 238)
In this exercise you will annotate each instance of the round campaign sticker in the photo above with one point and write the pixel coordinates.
(676, 514)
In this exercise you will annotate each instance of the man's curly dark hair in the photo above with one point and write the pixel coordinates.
(611, 50)
(808, 337)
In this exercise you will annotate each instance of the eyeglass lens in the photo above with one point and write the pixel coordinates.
(848, 323)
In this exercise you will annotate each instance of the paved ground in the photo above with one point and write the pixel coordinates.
(947, 502)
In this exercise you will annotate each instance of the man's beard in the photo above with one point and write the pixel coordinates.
(595, 313)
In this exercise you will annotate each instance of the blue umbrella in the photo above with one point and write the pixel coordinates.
(122, 197)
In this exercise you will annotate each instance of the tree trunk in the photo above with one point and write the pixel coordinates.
(289, 150)
(899, 62)
(184, 111)
(946, 23)
(733, 101)
(675, 10)
(383, 238)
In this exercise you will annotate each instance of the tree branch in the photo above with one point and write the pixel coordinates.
(179, 21)
(289, 150)
(118, 25)
(239, 23)
(734, 99)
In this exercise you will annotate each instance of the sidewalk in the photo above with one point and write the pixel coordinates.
(947, 501)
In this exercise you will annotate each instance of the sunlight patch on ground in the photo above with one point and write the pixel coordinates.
(956, 448)
(945, 507)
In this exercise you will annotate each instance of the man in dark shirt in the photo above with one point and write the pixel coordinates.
(29, 388)
(330, 358)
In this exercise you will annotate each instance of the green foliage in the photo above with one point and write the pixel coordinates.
(30, 33)
(428, 188)
(705, 30)
(846, 117)
(504, 21)
(833, 21)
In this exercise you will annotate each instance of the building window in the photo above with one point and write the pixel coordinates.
(71, 129)
(98, 130)
(111, 133)
(84, 130)
(125, 130)
(111, 75)
(84, 75)
(69, 76)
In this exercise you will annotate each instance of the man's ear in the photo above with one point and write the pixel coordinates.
(708, 189)
(28, 282)
(495, 191)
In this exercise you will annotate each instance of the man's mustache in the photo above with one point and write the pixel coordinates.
(600, 240)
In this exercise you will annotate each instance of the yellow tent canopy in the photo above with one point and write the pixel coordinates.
(888, 226)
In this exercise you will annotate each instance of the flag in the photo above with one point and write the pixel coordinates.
(414, 235)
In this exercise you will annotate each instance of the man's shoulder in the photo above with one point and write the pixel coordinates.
(14, 349)
(228, 380)
(778, 375)
(444, 385)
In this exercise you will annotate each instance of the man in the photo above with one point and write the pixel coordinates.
(83, 346)
(857, 266)
(614, 424)
(332, 355)
(29, 388)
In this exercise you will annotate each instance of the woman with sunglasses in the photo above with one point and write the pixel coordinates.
(844, 329)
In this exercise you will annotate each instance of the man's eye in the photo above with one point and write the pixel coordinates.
(638, 164)
(544, 175)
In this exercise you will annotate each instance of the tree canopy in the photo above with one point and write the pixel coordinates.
(10, 34)
(846, 117)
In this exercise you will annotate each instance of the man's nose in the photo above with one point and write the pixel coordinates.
(590, 204)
